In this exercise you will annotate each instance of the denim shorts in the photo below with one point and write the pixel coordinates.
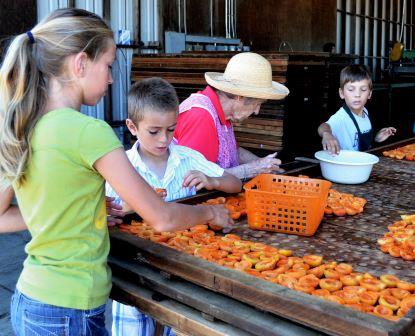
(33, 318)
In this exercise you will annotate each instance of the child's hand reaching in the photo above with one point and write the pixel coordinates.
(197, 179)
(221, 217)
(385, 133)
(161, 192)
(113, 209)
(330, 143)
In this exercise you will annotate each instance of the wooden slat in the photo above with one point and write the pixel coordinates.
(182, 78)
(206, 58)
(248, 130)
(262, 122)
(209, 64)
(168, 312)
(272, 148)
(258, 138)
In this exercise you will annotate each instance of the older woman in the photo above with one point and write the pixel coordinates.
(205, 118)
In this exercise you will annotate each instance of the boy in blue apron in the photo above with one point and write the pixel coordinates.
(350, 128)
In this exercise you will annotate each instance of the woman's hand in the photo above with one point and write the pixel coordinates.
(113, 209)
(197, 179)
(330, 143)
(385, 133)
(268, 164)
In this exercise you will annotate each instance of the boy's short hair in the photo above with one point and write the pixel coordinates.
(353, 73)
(151, 94)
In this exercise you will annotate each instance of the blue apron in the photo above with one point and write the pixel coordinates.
(365, 139)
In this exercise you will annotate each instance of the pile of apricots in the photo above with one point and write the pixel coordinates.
(387, 297)
(402, 153)
(399, 241)
(342, 204)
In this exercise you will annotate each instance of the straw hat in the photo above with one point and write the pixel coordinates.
(248, 75)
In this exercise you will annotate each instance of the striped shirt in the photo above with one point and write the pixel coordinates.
(180, 161)
(128, 320)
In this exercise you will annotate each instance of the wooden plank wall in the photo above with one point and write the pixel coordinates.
(264, 24)
(305, 24)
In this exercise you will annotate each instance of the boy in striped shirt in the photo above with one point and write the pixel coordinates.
(181, 171)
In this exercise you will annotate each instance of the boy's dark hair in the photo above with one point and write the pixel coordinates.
(151, 94)
(353, 73)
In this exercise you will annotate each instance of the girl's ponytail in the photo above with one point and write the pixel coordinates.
(22, 96)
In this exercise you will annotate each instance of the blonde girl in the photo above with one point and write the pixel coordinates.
(55, 161)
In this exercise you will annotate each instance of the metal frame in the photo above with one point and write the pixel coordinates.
(123, 16)
(382, 23)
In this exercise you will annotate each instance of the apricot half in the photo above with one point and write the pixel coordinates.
(408, 302)
(382, 311)
(344, 268)
(309, 280)
(313, 260)
(331, 285)
(389, 280)
(406, 285)
(372, 284)
(332, 274)
(389, 301)
(369, 297)
(350, 279)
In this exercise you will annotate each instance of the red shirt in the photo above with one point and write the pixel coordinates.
(196, 128)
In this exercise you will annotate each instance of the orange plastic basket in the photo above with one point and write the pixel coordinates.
(286, 204)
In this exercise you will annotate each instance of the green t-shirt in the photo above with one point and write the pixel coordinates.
(62, 201)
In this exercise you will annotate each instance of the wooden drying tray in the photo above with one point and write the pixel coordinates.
(301, 308)
(351, 239)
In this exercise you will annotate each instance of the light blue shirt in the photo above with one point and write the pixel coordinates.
(181, 160)
(345, 131)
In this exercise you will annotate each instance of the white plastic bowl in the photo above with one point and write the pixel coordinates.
(348, 167)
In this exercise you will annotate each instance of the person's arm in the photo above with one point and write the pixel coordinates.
(11, 219)
(227, 182)
(265, 165)
(246, 156)
(163, 216)
(385, 133)
(328, 141)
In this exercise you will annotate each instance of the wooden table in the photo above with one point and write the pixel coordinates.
(390, 193)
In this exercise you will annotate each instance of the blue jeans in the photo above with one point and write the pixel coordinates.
(33, 318)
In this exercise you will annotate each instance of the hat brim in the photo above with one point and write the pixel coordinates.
(276, 91)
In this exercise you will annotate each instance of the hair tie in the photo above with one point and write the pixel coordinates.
(31, 38)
